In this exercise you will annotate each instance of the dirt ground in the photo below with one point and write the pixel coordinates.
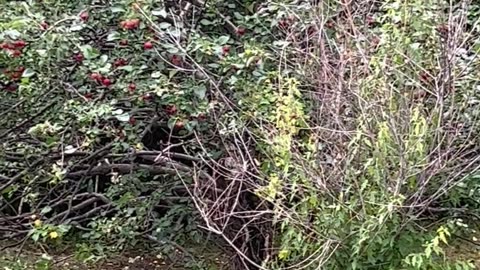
(34, 258)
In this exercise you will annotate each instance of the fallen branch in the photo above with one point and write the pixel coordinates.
(122, 169)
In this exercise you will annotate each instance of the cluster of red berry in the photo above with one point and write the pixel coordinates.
(14, 74)
(130, 24)
(14, 48)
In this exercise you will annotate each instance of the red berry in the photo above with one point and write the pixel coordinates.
(424, 77)
(123, 42)
(84, 16)
(179, 124)
(106, 82)
(16, 75)
(370, 20)
(148, 45)
(201, 117)
(176, 60)
(16, 53)
(120, 62)
(283, 24)
(171, 109)
(5, 46)
(130, 24)
(20, 69)
(132, 87)
(12, 87)
(19, 44)
(225, 50)
(135, 23)
(330, 24)
(240, 31)
(88, 96)
(96, 76)
(132, 120)
(78, 57)
(44, 25)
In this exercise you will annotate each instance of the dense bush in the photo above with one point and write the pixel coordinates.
(299, 134)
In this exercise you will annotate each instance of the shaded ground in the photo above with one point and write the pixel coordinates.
(465, 251)
(32, 257)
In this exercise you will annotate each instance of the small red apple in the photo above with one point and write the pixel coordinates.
(148, 45)
(20, 69)
(132, 120)
(78, 57)
(84, 16)
(240, 31)
(19, 44)
(120, 62)
(443, 29)
(106, 82)
(12, 87)
(135, 23)
(132, 87)
(15, 76)
(370, 20)
(96, 77)
(201, 117)
(176, 60)
(88, 96)
(171, 109)
(16, 53)
(225, 50)
(424, 77)
(130, 24)
(179, 124)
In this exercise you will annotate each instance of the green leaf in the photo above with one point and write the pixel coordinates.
(103, 59)
(35, 237)
(27, 73)
(13, 34)
(117, 112)
(213, 65)
(442, 237)
(117, 9)
(206, 22)
(123, 117)
(89, 52)
(126, 68)
(42, 53)
(156, 74)
(171, 122)
(160, 12)
(46, 210)
(113, 36)
(200, 91)
(164, 25)
(223, 40)
(76, 27)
